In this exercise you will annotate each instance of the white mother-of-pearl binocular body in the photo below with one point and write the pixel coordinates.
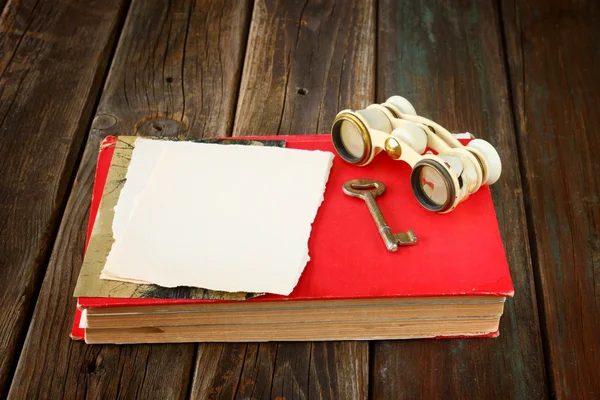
(439, 181)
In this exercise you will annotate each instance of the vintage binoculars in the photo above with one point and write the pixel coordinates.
(444, 171)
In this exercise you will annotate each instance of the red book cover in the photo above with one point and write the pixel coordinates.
(459, 253)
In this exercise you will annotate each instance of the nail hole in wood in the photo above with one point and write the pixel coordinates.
(301, 91)
(169, 79)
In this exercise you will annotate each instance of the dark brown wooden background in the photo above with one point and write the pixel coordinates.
(523, 74)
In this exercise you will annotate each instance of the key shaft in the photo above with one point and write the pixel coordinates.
(382, 226)
(368, 190)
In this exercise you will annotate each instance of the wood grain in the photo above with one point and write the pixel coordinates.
(447, 58)
(178, 70)
(51, 72)
(218, 369)
(159, 83)
(305, 61)
(290, 370)
(553, 58)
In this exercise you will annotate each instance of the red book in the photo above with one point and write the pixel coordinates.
(458, 254)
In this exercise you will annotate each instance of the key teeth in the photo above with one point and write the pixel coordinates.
(406, 238)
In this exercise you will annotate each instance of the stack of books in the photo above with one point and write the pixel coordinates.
(453, 283)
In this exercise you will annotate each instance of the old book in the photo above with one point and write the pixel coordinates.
(453, 283)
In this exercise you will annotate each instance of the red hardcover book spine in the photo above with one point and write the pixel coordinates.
(107, 149)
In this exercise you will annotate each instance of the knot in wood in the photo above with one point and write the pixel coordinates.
(104, 121)
(161, 126)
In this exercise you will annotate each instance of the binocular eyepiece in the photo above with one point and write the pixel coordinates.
(444, 171)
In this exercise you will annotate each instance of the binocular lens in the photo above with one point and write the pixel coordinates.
(432, 185)
(352, 136)
(352, 139)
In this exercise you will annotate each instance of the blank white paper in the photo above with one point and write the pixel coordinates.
(143, 159)
(221, 217)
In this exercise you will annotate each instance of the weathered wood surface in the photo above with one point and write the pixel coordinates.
(554, 59)
(275, 370)
(447, 57)
(178, 69)
(205, 69)
(176, 72)
(51, 73)
(304, 62)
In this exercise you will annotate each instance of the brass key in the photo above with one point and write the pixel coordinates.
(368, 190)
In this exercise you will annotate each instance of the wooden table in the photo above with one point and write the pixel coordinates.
(522, 74)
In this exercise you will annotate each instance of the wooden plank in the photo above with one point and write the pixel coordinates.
(553, 57)
(447, 58)
(174, 73)
(51, 72)
(282, 370)
(304, 63)
(178, 71)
